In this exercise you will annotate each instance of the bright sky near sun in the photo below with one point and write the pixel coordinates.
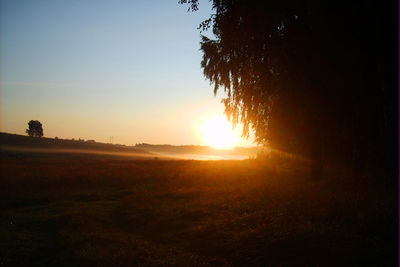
(95, 69)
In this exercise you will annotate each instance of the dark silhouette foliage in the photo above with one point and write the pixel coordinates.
(35, 129)
(311, 78)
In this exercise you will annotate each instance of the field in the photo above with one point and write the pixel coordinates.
(65, 210)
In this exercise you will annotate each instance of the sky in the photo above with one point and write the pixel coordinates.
(95, 69)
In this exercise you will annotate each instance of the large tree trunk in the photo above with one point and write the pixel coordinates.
(316, 170)
(317, 156)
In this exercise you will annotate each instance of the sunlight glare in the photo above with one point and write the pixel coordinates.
(218, 133)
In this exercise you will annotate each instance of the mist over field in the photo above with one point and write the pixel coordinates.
(23, 144)
(205, 157)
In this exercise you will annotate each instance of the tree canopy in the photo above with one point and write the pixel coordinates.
(315, 78)
(35, 128)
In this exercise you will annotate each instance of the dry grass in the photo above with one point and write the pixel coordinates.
(121, 212)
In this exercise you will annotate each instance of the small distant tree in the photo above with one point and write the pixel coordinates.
(35, 129)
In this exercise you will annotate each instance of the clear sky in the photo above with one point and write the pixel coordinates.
(95, 69)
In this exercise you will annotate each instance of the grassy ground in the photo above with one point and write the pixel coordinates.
(121, 212)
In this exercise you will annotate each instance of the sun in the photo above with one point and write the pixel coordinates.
(218, 133)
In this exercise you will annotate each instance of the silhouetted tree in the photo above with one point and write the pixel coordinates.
(35, 129)
(315, 78)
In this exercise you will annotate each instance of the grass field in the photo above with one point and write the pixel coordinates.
(110, 211)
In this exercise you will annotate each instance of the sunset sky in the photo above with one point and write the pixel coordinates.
(95, 69)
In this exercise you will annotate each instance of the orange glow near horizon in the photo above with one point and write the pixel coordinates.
(218, 133)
